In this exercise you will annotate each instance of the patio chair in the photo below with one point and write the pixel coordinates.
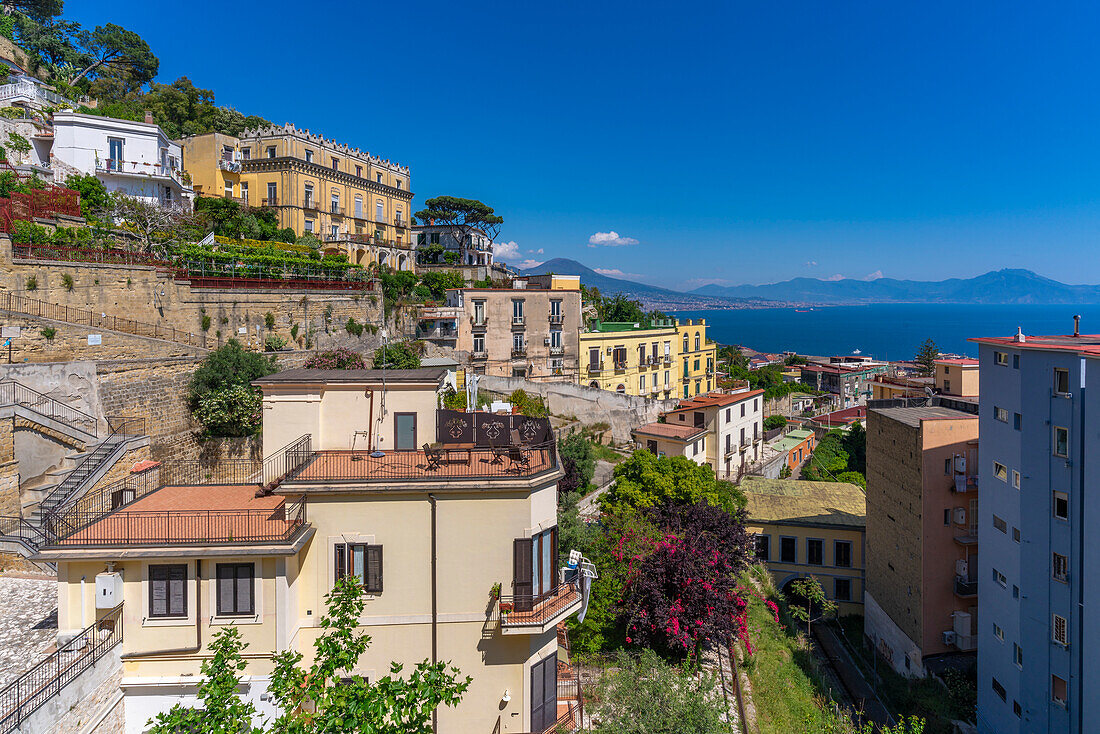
(520, 458)
(434, 456)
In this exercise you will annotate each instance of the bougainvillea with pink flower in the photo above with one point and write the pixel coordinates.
(681, 588)
(336, 359)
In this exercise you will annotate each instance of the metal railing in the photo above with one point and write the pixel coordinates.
(24, 695)
(535, 610)
(273, 201)
(446, 463)
(33, 307)
(964, 587)
(187, 527)
(67, 253)
(15, 393)
(92, 463)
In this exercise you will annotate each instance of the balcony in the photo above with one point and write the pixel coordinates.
(620, 366)
(336, 209)
(140, 169)
(519, 352)
(440, 333)
(381, 219)
(533, 615)
(965, 484)
(595, 368)
(556, 318)
(265, 203)
(557, 351)
(360, 214)
(965, 588)
(476, 323)
(231, 166)
(449, 313)
(398, 222)
(431, 465)
(966, 537)
(518, 322)
(479, 355)
(310, 204)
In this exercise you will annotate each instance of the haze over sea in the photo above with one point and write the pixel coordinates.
(887, 331)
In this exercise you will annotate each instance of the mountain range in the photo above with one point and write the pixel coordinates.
(1003, 287)
(997, 287)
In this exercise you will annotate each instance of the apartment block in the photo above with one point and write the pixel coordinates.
(529, 330)
(1040, 421)
(344, 489)
(472, 248)
(804, 529)
(632, 358)
(850, 382)
(722, 429)
(359, 204)
(698, 356)
(922, 531)
(133, 158)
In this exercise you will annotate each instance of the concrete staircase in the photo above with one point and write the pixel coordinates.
(67, 483)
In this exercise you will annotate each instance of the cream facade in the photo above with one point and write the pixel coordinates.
(427, 539)
(698, 355)
(530, 330)
(632, 359)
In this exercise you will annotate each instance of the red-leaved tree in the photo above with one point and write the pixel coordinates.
(681, 587)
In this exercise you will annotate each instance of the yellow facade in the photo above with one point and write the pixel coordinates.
(698, 356)
(620, 358)
(357, 203)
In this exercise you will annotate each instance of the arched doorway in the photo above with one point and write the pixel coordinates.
(621, 388)
(401, 262)
(594, 384)
(383, 259)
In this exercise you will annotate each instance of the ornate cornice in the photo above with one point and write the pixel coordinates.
(283, 163)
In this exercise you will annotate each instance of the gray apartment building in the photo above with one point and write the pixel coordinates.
(1038, 611)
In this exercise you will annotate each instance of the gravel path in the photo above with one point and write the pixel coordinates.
(28, 623)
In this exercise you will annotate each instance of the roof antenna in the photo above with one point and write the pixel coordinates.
(1076, 325)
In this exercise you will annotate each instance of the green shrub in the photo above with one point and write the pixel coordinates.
(353, 326)
(274, 343)
(234, 411)
(49, 332)
(67, 282)
(294, 330)
(26, 233)
(529, 405)
(32, 282)
(399, 356)
(336, 359)
(269, 321)
(215, 382)
(774, 421)
(205, 322)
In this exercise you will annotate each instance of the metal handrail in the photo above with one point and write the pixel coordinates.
(24, 695)
(533, 610)
(33, 307)
(16, 393)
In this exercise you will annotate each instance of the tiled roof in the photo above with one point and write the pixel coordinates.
(1084, 344)
(715, 399)
(676, 431)
(795, 501)
(842, 417)
(302, 375)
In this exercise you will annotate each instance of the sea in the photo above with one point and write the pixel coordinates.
(887, 331)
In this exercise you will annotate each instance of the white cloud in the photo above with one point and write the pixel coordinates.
(874, 276)
(528, 263)
(538, 251)
(610, 239)
(616, 273)
(506, 250)
(811, 263)
(836, 276)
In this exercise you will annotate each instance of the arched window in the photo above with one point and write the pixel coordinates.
(621, 388)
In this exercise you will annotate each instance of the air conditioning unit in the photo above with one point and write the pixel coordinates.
(960, 464)
(949, 637)
(108, 590)
(962, 568)
(960, 516)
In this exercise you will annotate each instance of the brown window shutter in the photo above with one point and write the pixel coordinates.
(522, 585)
(225, 589)
(340, 561)
(244, 586)
(177, 591)
(158, 591)
(374, 569)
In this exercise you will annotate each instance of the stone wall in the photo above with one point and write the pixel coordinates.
(154, 296)
(587, 404)
(47, 340)
(82, 702)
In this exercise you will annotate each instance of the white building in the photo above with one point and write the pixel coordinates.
(476, 249)
(135, 158)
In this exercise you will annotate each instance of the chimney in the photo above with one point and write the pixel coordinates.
(1076, 325)
(149, 116)
(1019, 338)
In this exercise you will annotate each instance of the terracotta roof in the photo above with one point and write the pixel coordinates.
(796, 502)
(455, 464)
(676, 431)
(715, 399)
(1084, 344)
(302, 375)
(842, 417)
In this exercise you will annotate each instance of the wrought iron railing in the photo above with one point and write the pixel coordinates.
(24, 695)
(15, 393)
(963, 587)
(188, 527)
(535, 610)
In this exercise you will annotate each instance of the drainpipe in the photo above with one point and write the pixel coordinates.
(83, 598)
(435, 616)
(1081, 555)
(198, 625)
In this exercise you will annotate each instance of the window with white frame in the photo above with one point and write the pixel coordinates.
(1060, 505)
(1061, 381)
(1000, 414)
(1000, 578)
(1001, 358)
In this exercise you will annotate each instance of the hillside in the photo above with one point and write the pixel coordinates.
(652, 297)
(1008, 286)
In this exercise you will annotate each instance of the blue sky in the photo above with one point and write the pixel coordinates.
(729, 142)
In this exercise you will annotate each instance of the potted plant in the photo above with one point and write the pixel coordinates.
(505, 610)
(494, 593)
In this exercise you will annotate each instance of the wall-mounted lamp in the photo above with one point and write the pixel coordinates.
(506, 697)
